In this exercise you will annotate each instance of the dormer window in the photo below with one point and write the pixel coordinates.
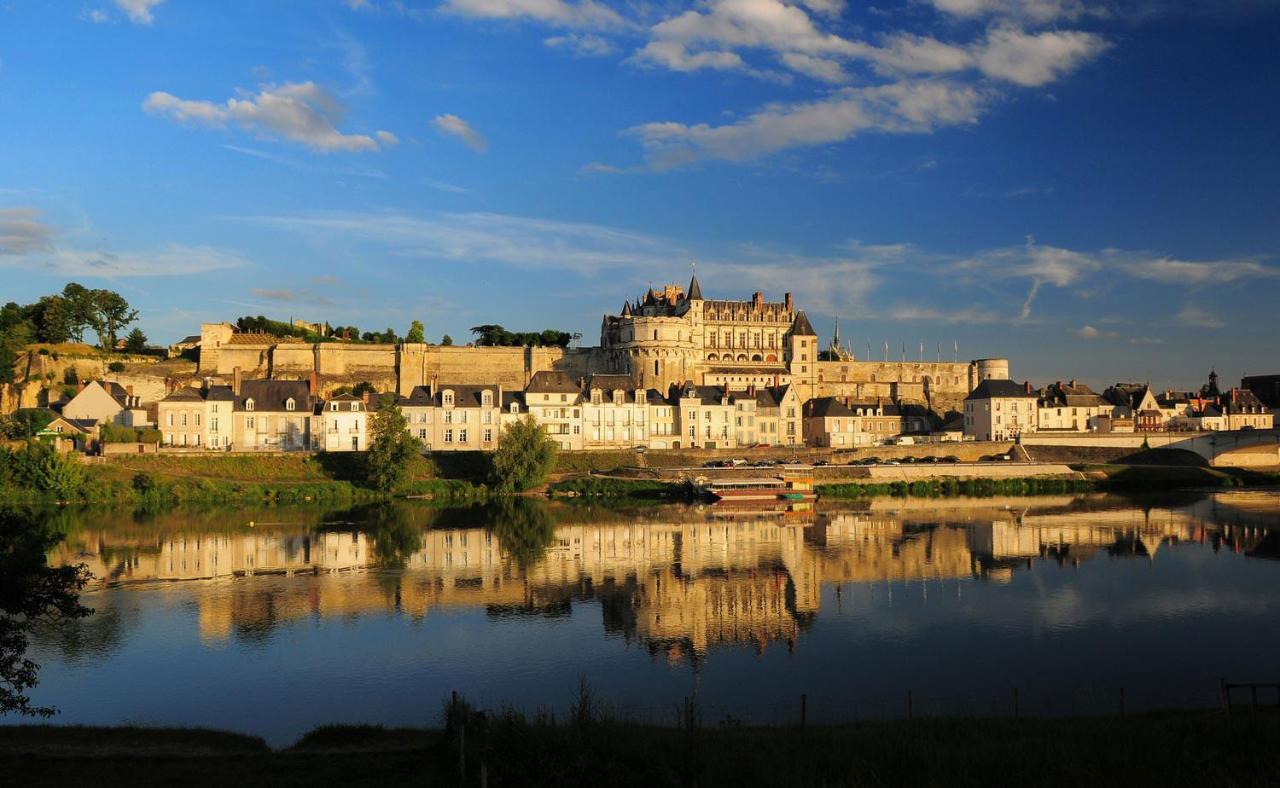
(515, 407)
(333, 407)
(248, 404)
(487, 399)
(596, 397)
(447, 399)
(289, 404)
(355, 407)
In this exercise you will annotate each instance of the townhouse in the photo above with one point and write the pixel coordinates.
(1070, 407)
(554, 400)
(455, 417)
(1000, 410)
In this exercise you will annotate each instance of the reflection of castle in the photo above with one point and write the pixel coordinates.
(681, 586)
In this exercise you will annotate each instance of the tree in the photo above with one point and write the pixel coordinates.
(392, 450)
(136, 342)
(446, 340)
(362, 388)
(31, 594)
(417, 333)
(525, 455)
(109, 314)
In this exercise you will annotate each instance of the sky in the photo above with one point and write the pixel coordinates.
(1086, 187)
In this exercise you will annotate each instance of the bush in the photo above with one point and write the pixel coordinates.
(116, 367)
(143, 483)
(71, 376)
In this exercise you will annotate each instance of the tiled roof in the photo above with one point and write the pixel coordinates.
(802, 327)
(271, 395)
(827, 407)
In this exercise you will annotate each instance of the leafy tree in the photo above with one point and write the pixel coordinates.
(525, 455)
(392, 450)
(136, 342)
(116, 367)
(37, 466)
(71, 376)
(54, 319)
(417, 333)
(362, 388)
(25, 423)
(446, 340)
(31, 594)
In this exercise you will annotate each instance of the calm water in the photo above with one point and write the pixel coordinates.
(375, 615)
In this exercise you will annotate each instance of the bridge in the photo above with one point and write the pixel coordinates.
(1225, 448)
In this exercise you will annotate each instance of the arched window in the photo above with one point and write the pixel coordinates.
(289, 404)
(248, 404)
(655, 335)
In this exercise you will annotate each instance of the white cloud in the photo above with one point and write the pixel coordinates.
(22, 232)
(138, 11)
(1033, 59)
(489, 237)
(96, 16)
(1037, 11)
(974, 315)
(583, 14)
(581, 44)
(1088, 332)
(298, 111)
(454, 126)
(387, 139)
(1185, 272)
(819, 68)
(899, 108)
(1192, 315)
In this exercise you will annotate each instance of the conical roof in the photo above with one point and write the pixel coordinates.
(695, 290)
(801, 327)
(626, 309)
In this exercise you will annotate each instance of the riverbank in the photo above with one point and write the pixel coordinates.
(1175, 748)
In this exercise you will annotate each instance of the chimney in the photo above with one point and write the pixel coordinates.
(786, 302)
(129, 390)
(1028, 385)
(235, 381)
(1072, 383)
(498, 402)
(757, 299)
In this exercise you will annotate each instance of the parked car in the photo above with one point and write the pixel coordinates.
(821, 464)
(951, 458)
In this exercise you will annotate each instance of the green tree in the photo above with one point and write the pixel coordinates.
(417, 333)
(109, 314)
(392, 451)
(32, 593)
(525, 455)
(446, 340)
(136, 342)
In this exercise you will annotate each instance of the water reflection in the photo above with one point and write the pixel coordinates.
(681, 581)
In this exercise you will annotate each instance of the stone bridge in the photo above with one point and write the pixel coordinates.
(1233, 448)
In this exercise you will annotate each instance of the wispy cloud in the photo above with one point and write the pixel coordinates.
(23, 232)
(898, 108)
(170, 260)
(287, 295)
(139, 11)
(582, 44)
(456, 127)
(557, 13)
(299, 111)
(1198, 317)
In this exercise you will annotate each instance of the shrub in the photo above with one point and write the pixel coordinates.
(71, 376)
(143, 483)
(116, 366)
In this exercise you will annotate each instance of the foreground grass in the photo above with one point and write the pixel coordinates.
(1182, 748)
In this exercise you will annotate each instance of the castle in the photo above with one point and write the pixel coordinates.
(664, 338)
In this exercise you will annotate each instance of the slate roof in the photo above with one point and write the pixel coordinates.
(801, 327)
(609, 383)
(826, 408)
(695, 289)
(271, 395)
(992, 388)
(552, 383)
(184, 394)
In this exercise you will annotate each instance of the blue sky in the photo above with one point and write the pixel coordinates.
(1085, 186)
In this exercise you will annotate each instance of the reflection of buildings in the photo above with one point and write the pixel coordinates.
(680, 583)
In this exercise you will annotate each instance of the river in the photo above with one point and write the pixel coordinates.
(275, 621)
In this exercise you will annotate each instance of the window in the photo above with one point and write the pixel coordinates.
(488, 436)
(333, 406)
(248, 404)
(249, 422)
(289, 404)
(170, 418)
(462, 436)
(447, 399)
(422, 435)
(355, 407)
(486, 399)
(184, 418)
(197, 419)
(448, 436)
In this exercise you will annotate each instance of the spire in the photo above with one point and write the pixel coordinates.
(695, 290)
(626, 309)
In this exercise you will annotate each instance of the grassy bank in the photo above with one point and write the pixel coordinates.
(622, 490)
(1181, 748)
(163, 481)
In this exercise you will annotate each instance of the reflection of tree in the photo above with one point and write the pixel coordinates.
(524, 527)
(394, 537)
(31, 592)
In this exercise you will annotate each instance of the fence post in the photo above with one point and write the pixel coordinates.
(804, 709)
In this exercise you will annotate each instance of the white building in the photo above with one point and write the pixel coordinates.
(1000, 410)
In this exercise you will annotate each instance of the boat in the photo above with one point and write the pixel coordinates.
(778, 488)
